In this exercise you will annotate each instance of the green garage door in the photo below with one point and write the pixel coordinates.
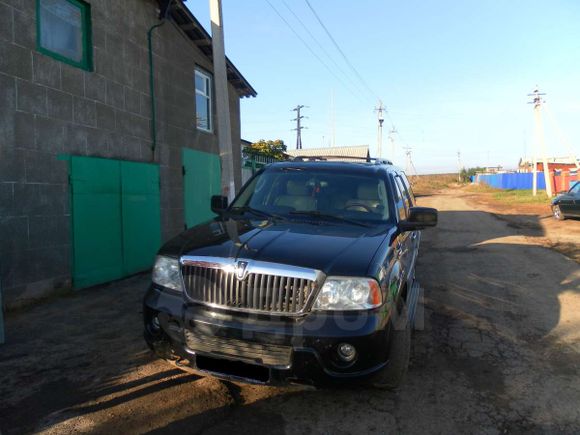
(115, 218)
(201, 180)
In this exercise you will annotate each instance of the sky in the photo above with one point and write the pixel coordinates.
(453, 75)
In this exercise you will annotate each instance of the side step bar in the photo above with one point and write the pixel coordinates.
(413, 305)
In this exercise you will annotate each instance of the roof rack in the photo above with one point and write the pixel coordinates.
(375, 160)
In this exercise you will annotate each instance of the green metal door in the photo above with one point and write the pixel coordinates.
(201, 180)
(96, 217)
(141, 215)
(116, 218)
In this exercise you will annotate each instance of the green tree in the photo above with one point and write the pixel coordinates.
(270, 148)
(466, 173)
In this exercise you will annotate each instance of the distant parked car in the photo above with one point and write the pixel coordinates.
(567, 204)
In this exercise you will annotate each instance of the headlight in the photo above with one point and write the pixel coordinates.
(166, 273)
(344, 293)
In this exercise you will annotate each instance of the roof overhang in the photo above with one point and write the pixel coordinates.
(184, 19)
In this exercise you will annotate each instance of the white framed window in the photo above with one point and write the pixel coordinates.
(203, 103)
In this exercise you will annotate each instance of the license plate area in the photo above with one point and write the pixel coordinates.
(236, 369)
(249, 352)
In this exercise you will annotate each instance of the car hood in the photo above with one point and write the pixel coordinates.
(331, 248)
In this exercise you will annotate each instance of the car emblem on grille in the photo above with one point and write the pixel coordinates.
(241, 269)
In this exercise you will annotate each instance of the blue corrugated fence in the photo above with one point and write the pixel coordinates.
(519, 181)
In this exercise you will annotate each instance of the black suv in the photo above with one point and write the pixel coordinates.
(307, 277)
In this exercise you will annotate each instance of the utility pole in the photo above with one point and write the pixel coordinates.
(537, 102)
(380, 117)
(392, 132)
(299, 127)
(459, 166)
(224, 131)
(409, 166)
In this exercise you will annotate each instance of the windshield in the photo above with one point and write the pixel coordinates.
(297, 192)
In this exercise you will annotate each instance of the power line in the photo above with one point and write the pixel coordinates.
(392, 132)
(305, 27)
(341, 52)
(364, 83)
(311, 50)
(561, 136)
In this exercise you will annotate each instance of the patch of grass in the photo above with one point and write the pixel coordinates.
(521, 196)
(511, 196)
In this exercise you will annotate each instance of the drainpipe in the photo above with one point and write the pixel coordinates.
(163, 16)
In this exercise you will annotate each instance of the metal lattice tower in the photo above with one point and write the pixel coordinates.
(409, 166)
(380, 118)
(299, 125)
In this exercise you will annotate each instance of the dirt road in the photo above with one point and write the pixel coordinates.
(499, 352)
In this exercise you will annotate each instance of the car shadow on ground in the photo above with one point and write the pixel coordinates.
(491, 343)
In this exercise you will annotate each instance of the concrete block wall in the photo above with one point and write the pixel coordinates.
(48, 108)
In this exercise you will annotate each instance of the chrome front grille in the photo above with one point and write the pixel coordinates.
(258, 287)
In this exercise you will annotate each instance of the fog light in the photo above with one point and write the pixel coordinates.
(346, 352)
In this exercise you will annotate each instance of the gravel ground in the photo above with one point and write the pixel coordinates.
(499, 352)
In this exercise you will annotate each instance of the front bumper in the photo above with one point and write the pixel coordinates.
(265, 349)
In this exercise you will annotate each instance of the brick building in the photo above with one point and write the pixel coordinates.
(89, 186)
(554, 164)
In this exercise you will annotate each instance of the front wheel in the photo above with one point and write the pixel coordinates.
(558, 213)
(393, 374)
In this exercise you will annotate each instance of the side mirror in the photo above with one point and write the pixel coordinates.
(219, 204)
(419, 218)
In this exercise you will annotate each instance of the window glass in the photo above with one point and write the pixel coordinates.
(404, 195)
(285, 191)
(399, 201)
(63, 29)
(203, 101)
(408, 187)
(200, 84)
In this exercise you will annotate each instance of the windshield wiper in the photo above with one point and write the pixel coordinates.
(315, 213)
(256, 212)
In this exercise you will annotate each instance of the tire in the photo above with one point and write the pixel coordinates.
(391, 377)
(558, 213)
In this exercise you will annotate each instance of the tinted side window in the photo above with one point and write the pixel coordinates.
(404, 195)
(399, 200)
(408, 187)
